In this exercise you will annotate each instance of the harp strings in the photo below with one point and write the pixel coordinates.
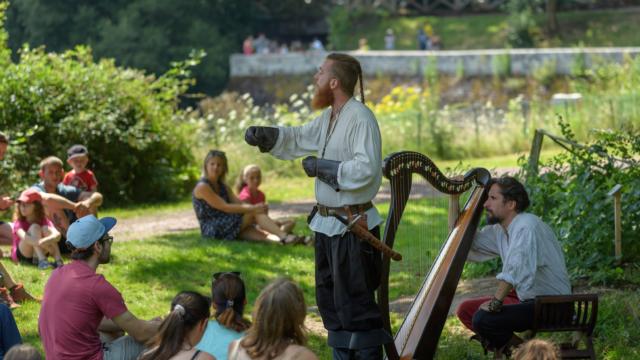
(421, 232)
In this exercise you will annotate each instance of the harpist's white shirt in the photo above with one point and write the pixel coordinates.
(532, 259)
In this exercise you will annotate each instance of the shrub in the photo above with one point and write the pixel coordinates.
(571, 196)
(522, 29)
(139, 147)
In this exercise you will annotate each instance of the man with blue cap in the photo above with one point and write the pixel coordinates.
(78, 303)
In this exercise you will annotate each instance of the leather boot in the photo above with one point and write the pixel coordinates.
(6, 298)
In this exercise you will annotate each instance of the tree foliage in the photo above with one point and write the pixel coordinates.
(139, 146)
(5, 53)
(149, 34)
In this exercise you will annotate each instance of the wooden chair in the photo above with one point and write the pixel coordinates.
(568, 313)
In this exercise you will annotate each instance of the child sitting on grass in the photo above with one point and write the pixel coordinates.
(80, 177)
(278, 330)
(181, 330)
(33, 232)
(228, 324)
(247, 188)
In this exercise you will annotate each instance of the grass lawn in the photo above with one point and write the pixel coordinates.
(577, 28)
(150, 272)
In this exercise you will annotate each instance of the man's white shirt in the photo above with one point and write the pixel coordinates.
(356, 143)
(532, 259)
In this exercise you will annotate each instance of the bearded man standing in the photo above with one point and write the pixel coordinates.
(345, 147)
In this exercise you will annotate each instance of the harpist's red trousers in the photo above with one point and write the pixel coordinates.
(468, 308)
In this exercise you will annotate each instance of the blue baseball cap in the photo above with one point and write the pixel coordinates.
(85, 231)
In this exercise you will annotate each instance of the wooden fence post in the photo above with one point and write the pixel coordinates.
(617, 216)
(534, 155)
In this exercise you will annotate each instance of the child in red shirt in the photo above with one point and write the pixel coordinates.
(248, 192)
(80, 177)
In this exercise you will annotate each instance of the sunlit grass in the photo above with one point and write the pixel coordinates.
(149, 273)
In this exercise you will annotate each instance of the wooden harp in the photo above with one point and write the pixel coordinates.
(417, 337)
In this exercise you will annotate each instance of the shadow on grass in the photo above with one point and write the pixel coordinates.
(186, 261)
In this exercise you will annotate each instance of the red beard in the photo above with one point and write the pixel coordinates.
(322, 98)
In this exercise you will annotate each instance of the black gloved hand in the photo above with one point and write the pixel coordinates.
(310, 166)
(325, 170)
(263, 137)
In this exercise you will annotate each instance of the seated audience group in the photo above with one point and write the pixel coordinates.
(222, 215)
(84, 316)
(42, 215)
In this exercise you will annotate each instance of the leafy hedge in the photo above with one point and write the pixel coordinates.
(139, 147)
(571, 195)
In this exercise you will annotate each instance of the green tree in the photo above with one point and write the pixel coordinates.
(139, 146)
(150, 34)
(5, 53)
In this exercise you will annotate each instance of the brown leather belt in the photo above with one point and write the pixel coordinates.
(355, 209)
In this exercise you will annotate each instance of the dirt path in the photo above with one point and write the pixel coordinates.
(141, 227)
(166, 223)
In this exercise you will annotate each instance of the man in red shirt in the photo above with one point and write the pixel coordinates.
(78, 303)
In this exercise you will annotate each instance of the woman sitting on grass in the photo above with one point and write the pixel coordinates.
(223, 216)
(229, 298)
(277, 332)
(181, 330)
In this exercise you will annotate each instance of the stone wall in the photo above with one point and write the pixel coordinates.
(409, 63)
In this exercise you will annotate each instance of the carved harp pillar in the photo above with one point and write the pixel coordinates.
(417, 337)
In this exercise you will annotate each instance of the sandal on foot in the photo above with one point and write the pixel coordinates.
(19, 294)
(290, 239)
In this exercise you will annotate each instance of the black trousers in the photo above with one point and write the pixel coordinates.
(499, 327)
(347, 275)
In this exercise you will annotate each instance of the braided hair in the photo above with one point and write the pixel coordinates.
(348, 71)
